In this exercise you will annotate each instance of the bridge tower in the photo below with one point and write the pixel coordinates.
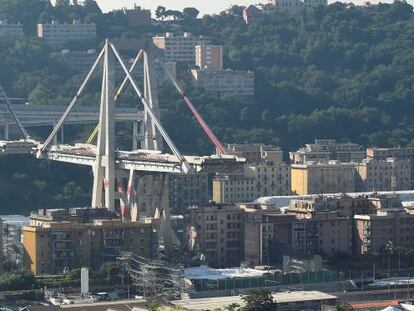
(105, 182)
(104, 168)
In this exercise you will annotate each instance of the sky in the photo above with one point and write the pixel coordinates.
(204, 6)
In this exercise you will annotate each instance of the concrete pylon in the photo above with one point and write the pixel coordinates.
(153, 139)
(104, 168)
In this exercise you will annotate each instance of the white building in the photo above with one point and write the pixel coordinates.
(294, 6)
(224, 82)
(12, 30)
(178, 48)
(58, 34)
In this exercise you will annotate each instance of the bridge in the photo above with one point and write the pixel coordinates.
(111, 167)
(48, 115)
(142, 160)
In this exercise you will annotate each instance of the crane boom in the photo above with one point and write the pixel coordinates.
(219, 147)
(10, 107)
(200, 120)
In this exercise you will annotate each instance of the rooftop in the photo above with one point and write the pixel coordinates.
(330, 163)
(220, 302)
(283, 201)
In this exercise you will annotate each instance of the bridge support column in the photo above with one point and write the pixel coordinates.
(6, 130)
(55, 138)
(109, 162)
(142, 133)
(62, 134)
(135, 135)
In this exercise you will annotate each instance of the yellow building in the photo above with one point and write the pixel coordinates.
(330, 177)
(52, 247)
(233, 188)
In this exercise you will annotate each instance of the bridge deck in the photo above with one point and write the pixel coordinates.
(41, 115)
(139, 160)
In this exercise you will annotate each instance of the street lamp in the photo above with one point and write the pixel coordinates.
(389, 248)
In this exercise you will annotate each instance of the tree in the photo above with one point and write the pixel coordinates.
(190, 13)
(236, 10)
(176, 15)
(39, 94)
(25, 12)
(160, 12)
(232, 307)
(17, 280)
(344, 307)
(259, 300)
(62, 2)
(153, 306)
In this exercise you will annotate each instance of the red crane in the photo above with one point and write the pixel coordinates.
(219, 147)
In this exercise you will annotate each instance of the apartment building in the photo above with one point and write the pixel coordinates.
(270, 180)
(375, 231)
(209, 57)
(288, 6)
(179, 48)
(265, 174)
(329, 222)
(188, 190)
(397, 153)
(325, 227)
(323, 234)
(217, 234)
(295, 6)
(267, 236)
(60, 240)
(251, 13)
(256, 181)
(315, 178)
(77, 61)
(58, 34)
(232, 188)
(258, 234)
(308, 4)
(384, 175)
(138, 16)
(323, 150)
(224, 82)
(385, 153)
(11, 30)
(344, 205)
(256, 153)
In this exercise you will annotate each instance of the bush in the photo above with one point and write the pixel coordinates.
(18, 280)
